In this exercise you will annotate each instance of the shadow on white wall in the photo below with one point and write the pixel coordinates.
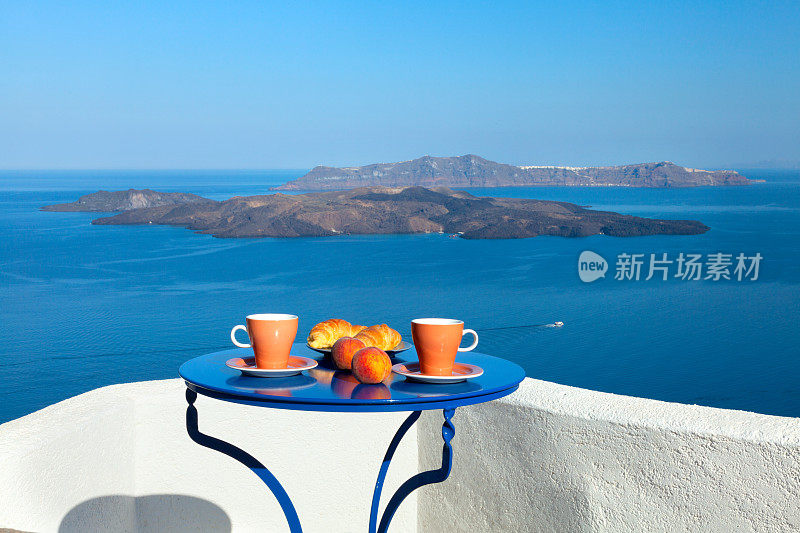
(152, 513)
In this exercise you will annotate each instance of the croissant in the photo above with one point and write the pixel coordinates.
(324, 334)
(381, 336)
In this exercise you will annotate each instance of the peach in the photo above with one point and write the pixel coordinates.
(371, 365)
(343, 351)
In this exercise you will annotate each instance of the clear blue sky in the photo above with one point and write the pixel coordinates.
(290, 85)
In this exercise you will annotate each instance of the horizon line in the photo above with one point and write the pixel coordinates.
(153, 169)
(306, 169)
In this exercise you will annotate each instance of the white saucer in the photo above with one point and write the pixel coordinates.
(461, 372)
(247, 366)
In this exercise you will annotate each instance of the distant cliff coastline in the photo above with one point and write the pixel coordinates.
(382, 210)
(475, 171)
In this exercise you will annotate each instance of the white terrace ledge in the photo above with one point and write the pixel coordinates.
(547, 458)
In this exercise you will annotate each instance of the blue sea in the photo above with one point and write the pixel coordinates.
(86, 306)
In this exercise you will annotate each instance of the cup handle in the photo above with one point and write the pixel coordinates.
(473, 345)
(233, 336)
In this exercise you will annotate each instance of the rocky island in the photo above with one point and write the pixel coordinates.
(474, 171)
(384, 210)
(113, 201)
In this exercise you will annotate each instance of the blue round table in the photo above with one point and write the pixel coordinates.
(326, 389)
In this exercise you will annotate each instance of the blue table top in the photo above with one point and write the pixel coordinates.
(326, 389)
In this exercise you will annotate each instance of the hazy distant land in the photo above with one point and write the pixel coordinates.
(475, 171)
(370, 210)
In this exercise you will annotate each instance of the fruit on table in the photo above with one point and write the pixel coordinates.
(343, 351)
(371, 365)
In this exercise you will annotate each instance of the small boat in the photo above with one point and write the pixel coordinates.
(555, 325)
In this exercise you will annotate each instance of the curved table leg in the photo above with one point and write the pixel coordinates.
(417, 481)
(243, 457)
(376, 495)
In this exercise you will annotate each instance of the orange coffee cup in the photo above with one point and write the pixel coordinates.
(437, 341)
(271, 337)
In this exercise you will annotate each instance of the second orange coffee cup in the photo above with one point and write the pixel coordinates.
(271, 337)
(437, 341)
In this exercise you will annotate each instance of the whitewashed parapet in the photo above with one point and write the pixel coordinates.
(557, 458)
(119, 459)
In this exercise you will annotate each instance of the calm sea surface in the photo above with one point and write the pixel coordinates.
(85, 306)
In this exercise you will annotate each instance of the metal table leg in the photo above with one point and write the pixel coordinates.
(415, 482)
(243, 457)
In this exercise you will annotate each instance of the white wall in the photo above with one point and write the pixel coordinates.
(119, 459)
(70, 452)
(561, 459)
(548, 458)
